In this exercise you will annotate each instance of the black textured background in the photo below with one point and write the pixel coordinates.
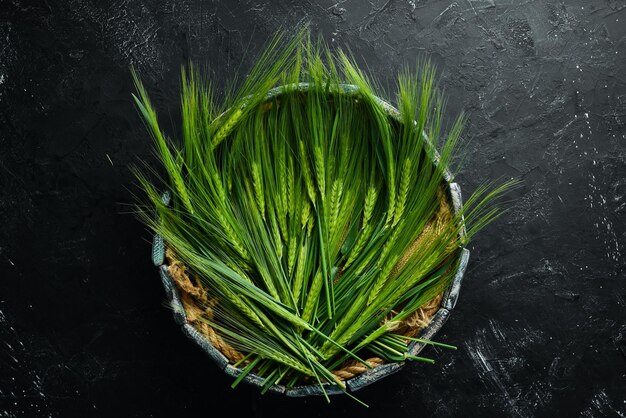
(541, 322)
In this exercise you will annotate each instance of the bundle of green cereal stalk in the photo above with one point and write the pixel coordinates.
(308, 216)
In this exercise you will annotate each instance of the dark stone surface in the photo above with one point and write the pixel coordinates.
(541, 319)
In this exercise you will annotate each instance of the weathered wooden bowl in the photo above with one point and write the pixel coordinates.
(366, 378)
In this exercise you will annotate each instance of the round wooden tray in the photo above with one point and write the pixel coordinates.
(435, 322)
